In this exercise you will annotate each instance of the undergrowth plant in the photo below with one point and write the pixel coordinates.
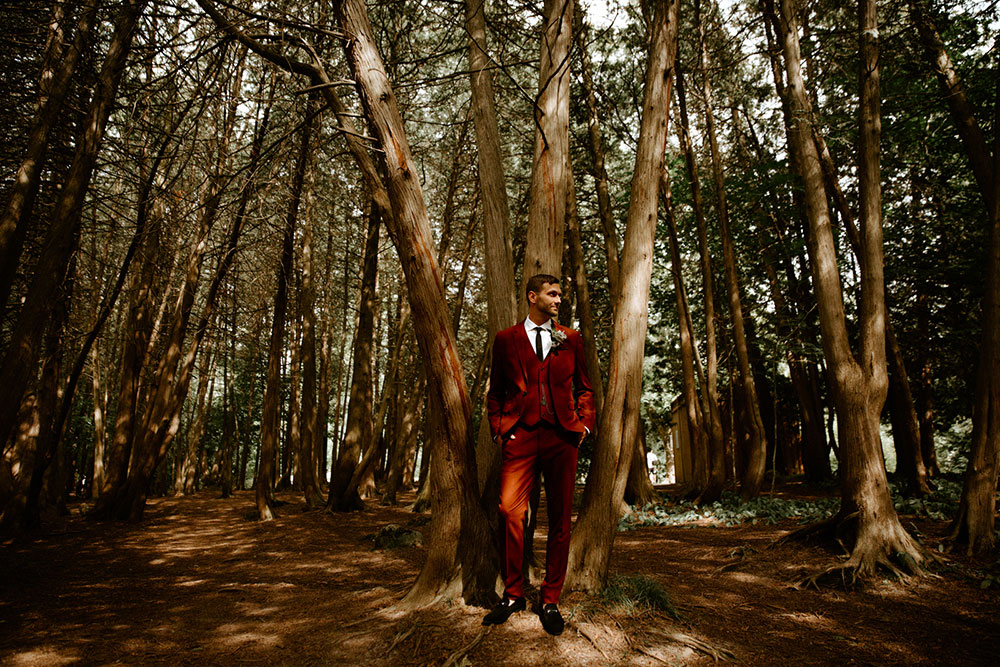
(634, 593)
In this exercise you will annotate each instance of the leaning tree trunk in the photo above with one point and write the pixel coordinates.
(23, 348)
(55, 84)
(859, 387)
(550, 179)
(593, 536)
(458, 519)
(974, 524)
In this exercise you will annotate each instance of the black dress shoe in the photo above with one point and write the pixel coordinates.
(552, 620)
(503, 611)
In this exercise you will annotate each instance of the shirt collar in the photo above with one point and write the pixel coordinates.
(529, 326)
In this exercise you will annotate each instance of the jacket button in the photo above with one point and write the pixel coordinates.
(524, 393)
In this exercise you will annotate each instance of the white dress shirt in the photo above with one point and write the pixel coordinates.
(529, 326)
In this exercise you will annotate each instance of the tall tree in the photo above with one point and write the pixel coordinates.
(23, 348)
(459, 538)
(550, 178)
(593, 536)
(753, 475)
(858, 384)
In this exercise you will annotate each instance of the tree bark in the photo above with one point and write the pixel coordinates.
(359, 428)
(590, 547)
(858, 387)
(460, 542)
(710, 471)
(962, 111)
(550, 182)
(974, 524)
(689, 393)
(57, 74)
(597, 154)
(756, 461)
(501, 298)
(23, 347)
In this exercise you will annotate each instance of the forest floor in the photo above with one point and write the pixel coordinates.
(199, 582)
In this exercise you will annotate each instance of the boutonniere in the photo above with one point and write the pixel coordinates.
(558, 338)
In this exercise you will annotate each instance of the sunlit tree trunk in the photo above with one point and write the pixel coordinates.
(550, 180)
(593, 535)
(459, 543)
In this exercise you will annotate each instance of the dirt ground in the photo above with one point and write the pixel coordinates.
(198, 582)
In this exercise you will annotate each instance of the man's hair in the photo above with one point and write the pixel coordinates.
(535, 283)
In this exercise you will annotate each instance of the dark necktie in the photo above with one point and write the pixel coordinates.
(538, 343)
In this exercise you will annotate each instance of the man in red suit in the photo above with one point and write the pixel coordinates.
(540, 407)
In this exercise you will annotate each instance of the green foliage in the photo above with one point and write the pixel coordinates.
(730, 511)
(629, 594)
(939, 506)
(953, 446)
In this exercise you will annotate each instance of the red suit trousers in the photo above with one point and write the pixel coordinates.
(551, 450)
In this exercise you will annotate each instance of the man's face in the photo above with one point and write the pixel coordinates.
(547, 299)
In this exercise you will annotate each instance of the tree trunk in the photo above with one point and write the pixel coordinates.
(756, 461)
(710, 473)
(905, 425)
(590, 548)
(501, 298)
(23, 347)
(57, 74)
(187, 468)
(359, 427)
(977, 510)
(550, 180)
(459, 537)
(962, 112)
(600, 173)
(689, 393)
(858, 388)
(639, 490)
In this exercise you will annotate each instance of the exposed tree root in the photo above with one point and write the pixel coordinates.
(715, 652)
(882, 546)
(741, 554)
(457, 656)
(586, 635)
(402, 636)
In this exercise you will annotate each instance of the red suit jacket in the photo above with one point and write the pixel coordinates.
(569, 387)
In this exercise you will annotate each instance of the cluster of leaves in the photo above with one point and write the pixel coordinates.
(939, 506)
(628, 594)
(730, 511)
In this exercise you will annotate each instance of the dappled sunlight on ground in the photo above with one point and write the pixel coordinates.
(199, 583)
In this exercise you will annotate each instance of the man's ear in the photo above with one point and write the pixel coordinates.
(532, 297)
